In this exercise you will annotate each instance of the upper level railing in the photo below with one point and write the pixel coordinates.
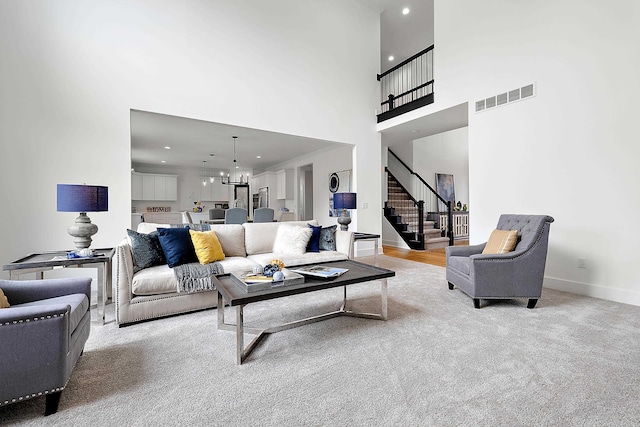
(420, 191)
(407, 86)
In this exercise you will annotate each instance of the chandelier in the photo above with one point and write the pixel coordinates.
(235, 176)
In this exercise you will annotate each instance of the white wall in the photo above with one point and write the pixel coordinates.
(324, 162)
(72, 71)
(569, 152)
(447, 153)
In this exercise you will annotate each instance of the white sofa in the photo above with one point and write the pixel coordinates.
(152, 292)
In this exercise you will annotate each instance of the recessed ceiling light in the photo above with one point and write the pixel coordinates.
(167, 147)
(391, 58)
(405, 11)
(258, 157)
(163, 161)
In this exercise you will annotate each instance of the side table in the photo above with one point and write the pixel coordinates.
(362, 237)
(40, 262)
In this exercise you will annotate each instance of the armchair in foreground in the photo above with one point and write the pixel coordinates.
(43, 333)
(515, 274)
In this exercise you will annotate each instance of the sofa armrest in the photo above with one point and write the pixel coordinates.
(344, 242)
(124, 274)
(21, 291)
(30, 313)
(464, 250)
(35, 347)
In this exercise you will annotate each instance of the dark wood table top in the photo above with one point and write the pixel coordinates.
(358, 273)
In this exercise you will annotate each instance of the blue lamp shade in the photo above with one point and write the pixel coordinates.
(82, 198)
(344, 201)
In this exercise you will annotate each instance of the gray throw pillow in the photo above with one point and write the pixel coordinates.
(328, 238)
(146, 249)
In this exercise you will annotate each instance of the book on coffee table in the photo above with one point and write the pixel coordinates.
(321, 271)
(251, 282)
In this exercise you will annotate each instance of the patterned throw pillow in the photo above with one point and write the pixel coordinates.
(328, 238)
(146, 249)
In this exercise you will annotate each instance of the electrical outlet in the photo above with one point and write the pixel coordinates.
(365, 205)
(582, 262)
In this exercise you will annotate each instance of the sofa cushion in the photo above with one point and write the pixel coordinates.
(501, 241)
(231, 237)
(328, 238)
(162, 280)
(314, 241)
(207, 246)
(79, 304)
(4, 302)
(146, 250)
(177, 246)
(148, 227)
(154, 280)
(259, 237)
(292, 239)
(300, 259)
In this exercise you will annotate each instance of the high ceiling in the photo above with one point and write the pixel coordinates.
(192, 141)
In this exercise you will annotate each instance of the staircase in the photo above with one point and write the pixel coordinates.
(402, 212)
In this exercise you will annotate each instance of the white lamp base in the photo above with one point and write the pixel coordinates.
(344, 221)
(82, 231)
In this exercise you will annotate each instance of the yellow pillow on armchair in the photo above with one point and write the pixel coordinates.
(501, 242)
(4, 302)
(207, 246)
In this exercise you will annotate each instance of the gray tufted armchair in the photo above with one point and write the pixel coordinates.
(516, 274)
(42, 334)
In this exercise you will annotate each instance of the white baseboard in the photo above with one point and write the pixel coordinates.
(612, 294)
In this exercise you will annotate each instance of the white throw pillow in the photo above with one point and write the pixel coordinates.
(292, 239)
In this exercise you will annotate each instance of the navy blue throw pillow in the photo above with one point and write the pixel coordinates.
(177, 246)
(146, 249)
(314, 241)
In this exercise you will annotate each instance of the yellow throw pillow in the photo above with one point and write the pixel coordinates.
(207, 246)
(501, 242)
(4, 302)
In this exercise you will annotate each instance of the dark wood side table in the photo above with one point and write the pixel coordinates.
(361, 237)
(40, 262)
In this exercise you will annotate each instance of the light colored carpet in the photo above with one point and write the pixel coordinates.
(572, 360)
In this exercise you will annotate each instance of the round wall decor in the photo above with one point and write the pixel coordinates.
(334, 182)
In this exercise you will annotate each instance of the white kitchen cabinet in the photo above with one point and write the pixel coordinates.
(215, 191)
(136, 186)
(148, 186)
(284, 184)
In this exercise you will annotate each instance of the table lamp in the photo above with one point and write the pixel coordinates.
(82, 199)
(344, 201)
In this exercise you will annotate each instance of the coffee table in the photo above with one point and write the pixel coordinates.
(235, 296)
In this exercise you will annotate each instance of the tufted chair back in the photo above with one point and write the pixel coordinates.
(530, 228)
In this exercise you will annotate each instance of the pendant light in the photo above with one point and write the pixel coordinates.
(235, 176)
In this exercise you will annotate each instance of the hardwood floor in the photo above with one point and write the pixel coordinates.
(433, 256)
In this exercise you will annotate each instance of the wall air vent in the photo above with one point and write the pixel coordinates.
(506, 98)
